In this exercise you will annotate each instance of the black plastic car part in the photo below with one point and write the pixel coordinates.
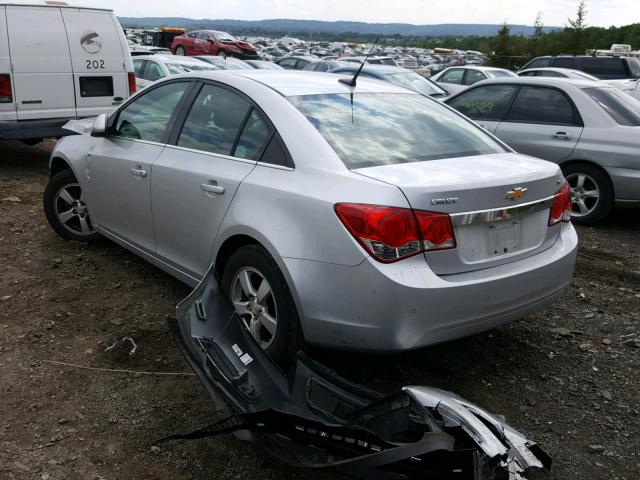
(311, 417)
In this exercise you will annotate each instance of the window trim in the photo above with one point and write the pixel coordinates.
(180, 120)
(577, 118)
(113, 118)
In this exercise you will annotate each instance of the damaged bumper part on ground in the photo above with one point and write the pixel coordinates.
(313, 418)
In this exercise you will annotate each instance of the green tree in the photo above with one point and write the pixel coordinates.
(502, 49)
(574, 30)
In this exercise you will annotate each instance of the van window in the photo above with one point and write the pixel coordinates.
(147, 117)
(541, 105)
(605, 68)
(214, 121)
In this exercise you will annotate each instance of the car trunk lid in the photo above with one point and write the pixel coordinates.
(499, 205)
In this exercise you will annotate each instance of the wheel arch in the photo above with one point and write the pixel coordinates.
(591, 163)
(59, 164)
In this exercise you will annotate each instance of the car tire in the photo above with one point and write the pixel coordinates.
(180, 51)
(591, 193)
(65, 209)
(256, 262)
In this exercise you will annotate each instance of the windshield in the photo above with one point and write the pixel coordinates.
(178, 68)
(223, 37)
(501, 73)
(620, 106)
(373, 129)
(416, 82)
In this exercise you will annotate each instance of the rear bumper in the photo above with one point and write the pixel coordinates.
(405, 305)
(33, 129)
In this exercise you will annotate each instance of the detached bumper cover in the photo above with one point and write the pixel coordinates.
(314, 418)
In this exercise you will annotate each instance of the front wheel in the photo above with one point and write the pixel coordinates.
(66, 209)
(180, 51)
(263, 301)
(591, 193)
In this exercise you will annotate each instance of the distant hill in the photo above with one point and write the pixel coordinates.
(311, 26)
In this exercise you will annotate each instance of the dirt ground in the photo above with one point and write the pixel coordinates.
(568, 376)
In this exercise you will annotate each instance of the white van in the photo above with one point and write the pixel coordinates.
(59, 62)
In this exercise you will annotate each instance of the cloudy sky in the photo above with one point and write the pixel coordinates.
(555, 12)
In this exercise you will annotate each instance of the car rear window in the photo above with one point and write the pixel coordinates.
(373, 129)
(620, 106)
(416, 82)
(605, 68)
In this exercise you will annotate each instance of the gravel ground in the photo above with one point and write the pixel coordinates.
(568, 376)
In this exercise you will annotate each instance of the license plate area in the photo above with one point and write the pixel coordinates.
(504, 237)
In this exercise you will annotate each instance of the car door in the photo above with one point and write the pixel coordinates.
(487, 104)
(196, 177)
(542, 122)
(41, 64)
(120, 165)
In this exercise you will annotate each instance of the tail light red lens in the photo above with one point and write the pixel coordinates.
(132, 83)
(561, 207)
(6, 95)
(390, 234)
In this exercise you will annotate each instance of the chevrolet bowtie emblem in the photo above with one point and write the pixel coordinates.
(516, 194)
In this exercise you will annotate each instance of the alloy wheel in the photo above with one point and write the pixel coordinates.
(71, 210)
(585, 194)
(180, 51)
(255, 304)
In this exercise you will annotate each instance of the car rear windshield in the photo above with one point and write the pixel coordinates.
(373, 129)
(622, 107)
(416, 82)
(501, 73)
(605, 68)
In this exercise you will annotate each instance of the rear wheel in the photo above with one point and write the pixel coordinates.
(591, 193)
(263, 302)
(180, 51)
(66, 209)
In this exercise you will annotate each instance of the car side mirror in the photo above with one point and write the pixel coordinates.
(99, 127)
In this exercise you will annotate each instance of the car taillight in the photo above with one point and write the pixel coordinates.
(132, 82)
(6, 95)
(390, 234)
(561, 207)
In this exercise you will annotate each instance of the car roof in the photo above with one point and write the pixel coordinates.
(289, 83)
(170, 59)
(548, 81)
(47, 3)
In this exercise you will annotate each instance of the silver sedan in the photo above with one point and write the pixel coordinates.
(367, 217)
(592, 130)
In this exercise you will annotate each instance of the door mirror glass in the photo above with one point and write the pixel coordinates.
(99, 127)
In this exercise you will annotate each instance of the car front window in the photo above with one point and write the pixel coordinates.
(416, 82)
(620, 106)
(373, 129)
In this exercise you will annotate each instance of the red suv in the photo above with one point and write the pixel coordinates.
(210, 42)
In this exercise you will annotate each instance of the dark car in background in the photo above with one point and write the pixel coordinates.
(604, 67)
(212, 42)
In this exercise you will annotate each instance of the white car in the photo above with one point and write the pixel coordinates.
(457, 79)
(557, 72)
(151, 68)
(59, 63)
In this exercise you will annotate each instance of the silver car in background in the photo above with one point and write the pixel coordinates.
(367, 217)
(591, 129)
(457, 79)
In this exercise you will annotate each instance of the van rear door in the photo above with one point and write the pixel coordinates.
(42, 79)
(98, 60)
(7, 102)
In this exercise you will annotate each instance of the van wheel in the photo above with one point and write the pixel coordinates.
(66, 210)
(591, 193)
(180, 51)
(263, 301)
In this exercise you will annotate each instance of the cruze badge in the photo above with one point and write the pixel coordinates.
(516, 194)
(444, 201)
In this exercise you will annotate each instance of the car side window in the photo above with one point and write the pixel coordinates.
(276, 153)
(215, 119)
(564, 62)
(191, 35)
(453, 76)
(288, 63)
(153, 71)
(321, 67)
(539, 63)
(254, 137)
(138, 65)
(528, 74)
(484, 103)
(542, 105)
(473, 76)
(147, 117)
(203, 36)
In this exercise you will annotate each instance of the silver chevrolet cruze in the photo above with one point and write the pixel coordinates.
(367, 217)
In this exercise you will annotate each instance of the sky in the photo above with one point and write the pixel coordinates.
(555, 12)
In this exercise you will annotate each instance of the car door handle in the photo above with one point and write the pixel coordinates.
(562, 136)
(138, 172)
(212, 187)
